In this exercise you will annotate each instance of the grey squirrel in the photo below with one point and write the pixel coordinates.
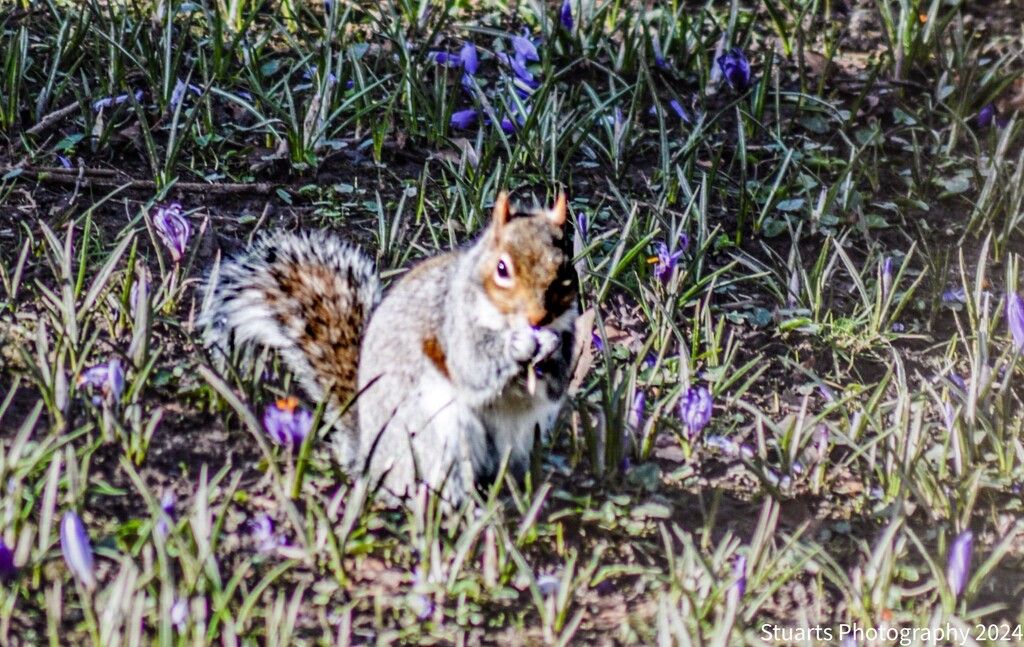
(465, 360)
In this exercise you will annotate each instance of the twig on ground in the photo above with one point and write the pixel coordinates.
(87, 178)
(50, 120)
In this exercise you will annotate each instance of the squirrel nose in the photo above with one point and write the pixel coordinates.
(536, 315)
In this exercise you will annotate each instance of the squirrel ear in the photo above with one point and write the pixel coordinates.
(557, 215)
(500, 214)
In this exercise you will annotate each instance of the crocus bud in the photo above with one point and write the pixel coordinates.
(179, 614)
(986, 115)
(636, 411)
(886, 276)
(74, 543)
(739, 569)
(7, 567)
(1015, 318)
(958, 566)
(581, 223)
(566, 15)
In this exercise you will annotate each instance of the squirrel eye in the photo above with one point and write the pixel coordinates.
(503, 273)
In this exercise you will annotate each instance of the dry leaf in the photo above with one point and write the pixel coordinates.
(583, 351)
(817, 65)
(1015, 100)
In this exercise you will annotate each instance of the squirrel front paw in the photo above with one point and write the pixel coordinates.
(533, 344)
(522, 345)
(548, 342)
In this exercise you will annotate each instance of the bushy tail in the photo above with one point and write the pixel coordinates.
(307, 295)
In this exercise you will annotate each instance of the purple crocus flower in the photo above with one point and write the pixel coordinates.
(518, 67)
(107, 102)
(115, 379)
(948, 417)
(286, 422)
(166, 512)
(956, 295)
(597, 341)
(178, 93)
(636, 411)
(263, 532)
(566, 15)
(886, 276)
(725, 445)
(679, 110)
(7, 567)
(133, 298)
(665, 261)
(958, 565)
(65, 162)
(516, 119)
(444, 58)
(427, 606)
(468, 57)
(332, 78)
(958, 382)
(549, 584)
(739, 569)
(179, 614)
(986, 115)
(581, 224)
(105, 380)
(735, 68)
(659, 58)
(173, 230)
(463, 119)
(74, 543)
(695, 409)
(822, 441)
(524, 47)
(1015, 318)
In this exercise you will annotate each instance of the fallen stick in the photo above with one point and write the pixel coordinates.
(49, 120)
(98, 178)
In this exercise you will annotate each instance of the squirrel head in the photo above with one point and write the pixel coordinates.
(526, 268)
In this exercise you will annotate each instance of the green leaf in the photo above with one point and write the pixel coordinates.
(773, 227)
(790, 205)
(956, 184)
